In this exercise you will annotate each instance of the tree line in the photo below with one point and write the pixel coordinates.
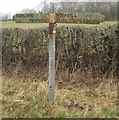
(109, 9)
(6, 16)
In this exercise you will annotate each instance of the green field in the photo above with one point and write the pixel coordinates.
(12, 24)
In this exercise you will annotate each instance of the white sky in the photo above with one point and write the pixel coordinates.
(12, 6)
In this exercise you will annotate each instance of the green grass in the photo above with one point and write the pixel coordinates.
(12, 24)
(30, 100)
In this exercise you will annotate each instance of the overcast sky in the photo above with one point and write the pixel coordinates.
(12, 6)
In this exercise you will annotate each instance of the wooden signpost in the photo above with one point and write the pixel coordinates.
(51, 18)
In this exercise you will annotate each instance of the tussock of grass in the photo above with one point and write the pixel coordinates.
(30, 100)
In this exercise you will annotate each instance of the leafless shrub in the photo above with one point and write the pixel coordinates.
(91, 50)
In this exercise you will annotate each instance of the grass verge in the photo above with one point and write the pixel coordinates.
(28, 99)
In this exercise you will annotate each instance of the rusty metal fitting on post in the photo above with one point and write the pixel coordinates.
(52, 28)
(52, 23)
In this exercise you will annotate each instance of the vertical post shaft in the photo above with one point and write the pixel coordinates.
(52, 31)
(51, 68)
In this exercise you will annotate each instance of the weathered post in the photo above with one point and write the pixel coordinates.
(52, 32)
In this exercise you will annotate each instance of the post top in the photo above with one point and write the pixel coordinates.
(52, 17)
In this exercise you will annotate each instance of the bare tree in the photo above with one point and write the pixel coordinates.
(6, 16)
(27, 10)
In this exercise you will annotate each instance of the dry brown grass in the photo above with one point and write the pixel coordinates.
(29, 99)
